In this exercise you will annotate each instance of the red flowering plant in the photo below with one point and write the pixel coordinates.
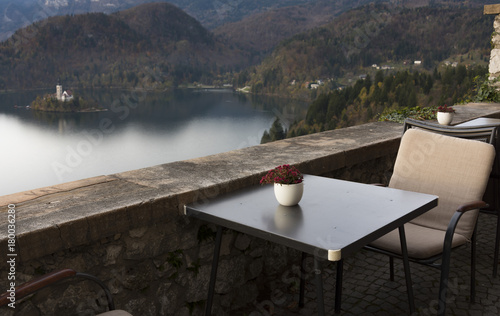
(284, 174)
(446, 108)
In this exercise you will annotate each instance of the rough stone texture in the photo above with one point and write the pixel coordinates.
(128, 229)
(494, 66)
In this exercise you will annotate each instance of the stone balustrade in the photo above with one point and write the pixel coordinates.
(128, 228)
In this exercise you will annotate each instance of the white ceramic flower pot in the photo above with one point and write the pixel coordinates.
(288, 194)
(445, 118)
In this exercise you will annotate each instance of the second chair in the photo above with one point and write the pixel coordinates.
(457, 171)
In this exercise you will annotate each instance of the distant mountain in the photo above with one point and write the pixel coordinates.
(160, 44)
(375, 34)
(164, 23)
(154, 44)
(259, 33)
(213, 13)
(15, 14)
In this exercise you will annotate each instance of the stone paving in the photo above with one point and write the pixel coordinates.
(368, 290)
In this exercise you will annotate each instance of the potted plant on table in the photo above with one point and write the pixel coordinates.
(288, 184)
(445, 114)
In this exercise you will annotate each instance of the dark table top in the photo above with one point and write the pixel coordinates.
(334, 218)
(481, 121)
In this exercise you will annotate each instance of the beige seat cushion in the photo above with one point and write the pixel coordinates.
(422, 242)
(115, 313)
(455, 169)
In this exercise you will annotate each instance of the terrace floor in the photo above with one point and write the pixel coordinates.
(368, 290)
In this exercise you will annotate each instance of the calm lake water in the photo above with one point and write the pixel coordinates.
(138, 130)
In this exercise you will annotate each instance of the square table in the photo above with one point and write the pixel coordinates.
(480, 122)
(334, 219)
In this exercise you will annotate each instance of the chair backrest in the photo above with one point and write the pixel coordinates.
(454, 169)
(486, 133)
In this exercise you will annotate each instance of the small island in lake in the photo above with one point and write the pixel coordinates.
(64, 101)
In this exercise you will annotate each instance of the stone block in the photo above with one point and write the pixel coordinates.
(74, 233)
(492, 9)
(231, 274)
(108, 223)
(494, 66)
(255, 268)
(138, 232)
(196, 284)
(226, 243)
(167, 297)
(112, 253)
(242, 241)
(30, 246)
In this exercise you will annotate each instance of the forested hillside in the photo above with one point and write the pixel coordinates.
(368, 98)
(157, 45)
(263, 31)
(153, 45)
(373, 34)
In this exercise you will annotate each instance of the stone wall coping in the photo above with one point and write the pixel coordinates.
(492, 9)
(77, 213)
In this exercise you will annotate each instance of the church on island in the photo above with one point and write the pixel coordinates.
(64, 101)
(63, 95)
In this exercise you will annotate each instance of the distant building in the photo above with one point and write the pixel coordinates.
(63, 95)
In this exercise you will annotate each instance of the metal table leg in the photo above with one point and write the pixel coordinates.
(338, 286)
(213, 274)
(302, 279)
(406, 264)
(319, 286)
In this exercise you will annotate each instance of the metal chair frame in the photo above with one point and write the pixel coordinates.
(51, 278)
(485, 133)
(488, 134)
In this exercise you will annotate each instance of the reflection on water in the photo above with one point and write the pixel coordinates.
(139, 129)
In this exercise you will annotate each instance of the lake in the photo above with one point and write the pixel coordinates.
(139, 129)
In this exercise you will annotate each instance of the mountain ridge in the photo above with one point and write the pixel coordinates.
(210, 13)
(125, 48)
(115, 50)
(353, 43)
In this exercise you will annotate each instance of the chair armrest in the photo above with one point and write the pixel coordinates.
(469, 206)
(37, 284)
(454, 222)
(472, 206)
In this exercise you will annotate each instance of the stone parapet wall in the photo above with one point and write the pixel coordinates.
(128, 228)
(494, 65)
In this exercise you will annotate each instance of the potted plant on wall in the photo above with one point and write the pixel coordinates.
(445, 114)
(288, 184)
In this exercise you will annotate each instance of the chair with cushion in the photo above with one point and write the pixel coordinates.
(457, 171)
(39, 283)
(484, 133)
